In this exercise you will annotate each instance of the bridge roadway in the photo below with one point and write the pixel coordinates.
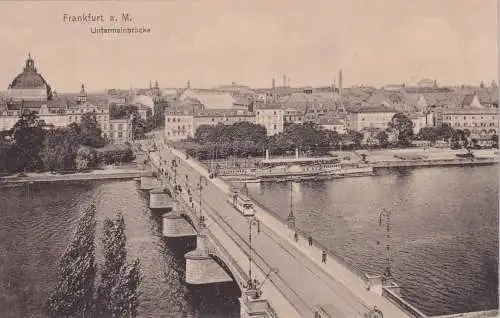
(308, 281)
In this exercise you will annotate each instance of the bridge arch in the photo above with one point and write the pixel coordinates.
(189, 220)
(238, 275)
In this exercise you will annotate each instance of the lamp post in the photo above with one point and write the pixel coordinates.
(174, 168)
(200, 186)
(387, 214)
(252, 283)
(291, 217)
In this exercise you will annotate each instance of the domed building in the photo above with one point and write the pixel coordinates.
(28, 90)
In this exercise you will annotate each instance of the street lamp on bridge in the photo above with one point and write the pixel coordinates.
(387, 276)
(291, 217)
(202, 183)
(252, 282)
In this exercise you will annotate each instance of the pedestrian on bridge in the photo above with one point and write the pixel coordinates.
(323, 257)
(296, 237)
(310, 240)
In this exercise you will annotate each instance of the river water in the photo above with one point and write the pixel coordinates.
(444, 230)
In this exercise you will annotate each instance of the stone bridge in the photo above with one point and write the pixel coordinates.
(278, 275)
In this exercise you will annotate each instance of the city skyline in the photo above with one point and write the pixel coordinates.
(251, 43)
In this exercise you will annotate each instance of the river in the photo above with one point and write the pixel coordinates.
(37, 223)
(444, 229)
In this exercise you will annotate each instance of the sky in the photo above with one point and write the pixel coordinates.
(250, 42)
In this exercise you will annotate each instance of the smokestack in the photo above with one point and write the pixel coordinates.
(340, 82)
(288, 84)
(274, 90)
(284, 80)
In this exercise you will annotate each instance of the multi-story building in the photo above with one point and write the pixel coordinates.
(120, 131)
(270, 116)
(29, 92)
(83, 106)
(292, 116)
(182, 124)
(333, 124)
(179, 125)
(480, 122)
(370, 117)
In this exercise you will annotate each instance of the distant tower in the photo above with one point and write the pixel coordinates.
(340, 82)
(288, 84)
(274, 90)
(150, 85)
(156, 84)
(284, 80)
(188, 84)
(82, 97)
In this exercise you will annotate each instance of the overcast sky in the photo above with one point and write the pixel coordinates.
(212, 42)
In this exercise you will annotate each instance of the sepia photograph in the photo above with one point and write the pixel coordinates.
(249, 158)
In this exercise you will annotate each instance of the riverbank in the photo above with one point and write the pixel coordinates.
(107, 173)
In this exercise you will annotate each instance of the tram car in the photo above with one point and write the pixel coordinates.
(241, 202)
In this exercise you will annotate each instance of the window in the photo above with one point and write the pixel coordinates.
(120, 135)
(168, 120)
(213, 119)
(274, 113)
(275, 127)
(120, 126)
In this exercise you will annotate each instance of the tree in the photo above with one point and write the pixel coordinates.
(73, 295)
(494, 138)
(90, 132)
(356, 137)
(59, 150)
(85, 158)
(429, 134)
(402, 126)
(383, 139)
(118, 290)
(28, 135)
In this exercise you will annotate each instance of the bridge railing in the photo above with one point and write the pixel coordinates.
(401, 303)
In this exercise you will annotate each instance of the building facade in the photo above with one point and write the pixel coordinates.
(120, 131)
(182, 124)
(29, 92)
(271, 117)
(333, 124)
(481, 123)
(370, 117)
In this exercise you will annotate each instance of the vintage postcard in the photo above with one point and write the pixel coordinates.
(249, 158)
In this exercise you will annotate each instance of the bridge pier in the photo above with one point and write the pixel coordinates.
(201, 268)
(174, 225)
(252, 306)
(159, 200)
(149, 183)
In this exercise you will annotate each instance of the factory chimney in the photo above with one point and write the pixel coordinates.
(284, 80)
(340, 82)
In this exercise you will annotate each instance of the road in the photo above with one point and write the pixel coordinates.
(306, 282)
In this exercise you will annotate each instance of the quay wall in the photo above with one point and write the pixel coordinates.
(76, 177)
(435, 162)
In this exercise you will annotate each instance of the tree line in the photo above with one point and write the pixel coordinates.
(31, 145)
(77, 294)
(245, 139)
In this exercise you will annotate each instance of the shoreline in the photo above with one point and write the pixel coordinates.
(108, 174)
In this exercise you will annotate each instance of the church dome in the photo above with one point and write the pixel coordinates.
(29, 78)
